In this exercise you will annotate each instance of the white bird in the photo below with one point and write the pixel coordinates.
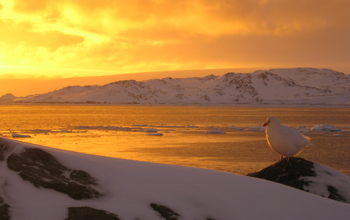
(284, 140)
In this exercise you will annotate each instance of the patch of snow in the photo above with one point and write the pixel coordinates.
(327, 176)
(131, 186)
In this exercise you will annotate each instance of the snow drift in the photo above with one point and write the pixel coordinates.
(124, 189)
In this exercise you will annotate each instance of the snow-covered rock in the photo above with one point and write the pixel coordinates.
(128, 190)
(308, 176)
(307, 86)
(325, 128)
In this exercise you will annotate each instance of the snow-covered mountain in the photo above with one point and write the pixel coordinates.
(39, 183)
(275, 86)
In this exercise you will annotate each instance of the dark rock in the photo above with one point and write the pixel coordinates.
(44, 170)
(294, 173)
(82, 177)
(3, 149)
(4, 210)
(87, 213)
(165, 212)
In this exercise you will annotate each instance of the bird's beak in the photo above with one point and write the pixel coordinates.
(266, 123)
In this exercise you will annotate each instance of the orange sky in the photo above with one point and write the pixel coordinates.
(68, 38)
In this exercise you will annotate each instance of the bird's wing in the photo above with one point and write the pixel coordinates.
(294, 135)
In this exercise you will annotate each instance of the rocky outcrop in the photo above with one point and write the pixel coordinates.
(43, 170)
(4, 210)
(165, 212)
(304, 175)
(3, 150)
(87, 213)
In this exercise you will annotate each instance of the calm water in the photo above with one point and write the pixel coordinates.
(85, 129)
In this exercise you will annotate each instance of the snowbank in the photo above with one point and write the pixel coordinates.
(135, 190)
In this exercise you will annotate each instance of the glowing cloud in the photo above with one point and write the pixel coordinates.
(147, 35)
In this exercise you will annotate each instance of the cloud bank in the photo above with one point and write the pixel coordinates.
(151, 35)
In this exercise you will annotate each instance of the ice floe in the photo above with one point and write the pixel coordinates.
(192, 126)
(16, 135)
(325, 128)
(216, 132)
(155, 134)
(256, 128)
(151, 130)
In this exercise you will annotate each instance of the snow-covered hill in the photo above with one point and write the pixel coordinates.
(38, 182)
(275, 86)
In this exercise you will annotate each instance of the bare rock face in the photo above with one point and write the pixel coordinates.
(87, 213)
(301, 174)
(43, 170)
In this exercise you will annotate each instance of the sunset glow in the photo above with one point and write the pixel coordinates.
(112, 37)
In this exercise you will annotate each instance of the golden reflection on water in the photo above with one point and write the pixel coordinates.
(236, 151)
(196, 149)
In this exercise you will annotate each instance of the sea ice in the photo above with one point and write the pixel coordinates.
(325, 128)
(15, 135)
(256, 128)
(151, 130)
(216, 132)
(155, 134)
(192, 126)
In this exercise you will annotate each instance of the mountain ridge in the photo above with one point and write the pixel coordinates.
(305, 86)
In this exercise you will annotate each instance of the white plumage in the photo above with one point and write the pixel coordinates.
(284, 140)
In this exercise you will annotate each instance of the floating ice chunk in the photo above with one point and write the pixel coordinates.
(65, 131)
(15, 135)
(41, 130)
(337, 135)
(155, 134)
(256, 128)
(325, 128)
(303, 129)
(151, 130)
(116, 128)
(216, 132)
(192, 126)
(236, 128)
(169, 126)
(100, 127)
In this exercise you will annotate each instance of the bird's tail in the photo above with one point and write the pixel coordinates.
(308, 138)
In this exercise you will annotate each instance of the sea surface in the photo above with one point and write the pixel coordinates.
(121, 132)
